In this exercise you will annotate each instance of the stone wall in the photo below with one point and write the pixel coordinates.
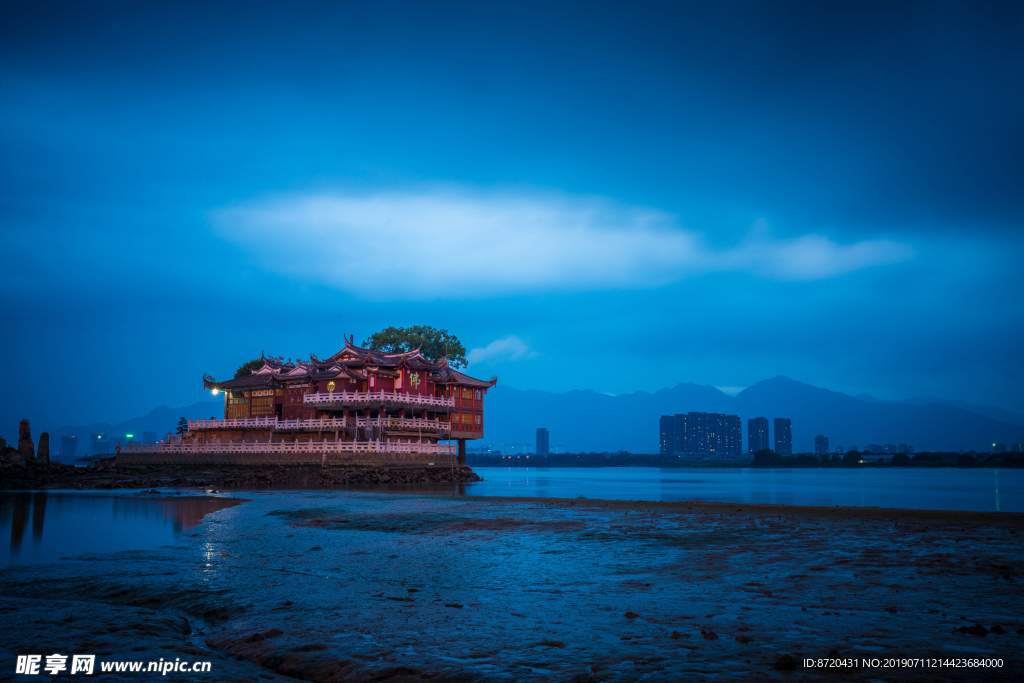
(343, 459)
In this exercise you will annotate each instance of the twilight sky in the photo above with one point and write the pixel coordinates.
(610, 196)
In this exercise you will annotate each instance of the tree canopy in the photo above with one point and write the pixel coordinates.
(435, 343)
(249, 367)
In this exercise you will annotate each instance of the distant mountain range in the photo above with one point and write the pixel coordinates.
(590, 421)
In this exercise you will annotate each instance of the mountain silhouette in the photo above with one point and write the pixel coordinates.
(160, 420)
(589, 421)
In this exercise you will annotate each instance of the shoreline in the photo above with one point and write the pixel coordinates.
(681, 507)
(110, 475)
(767, 509)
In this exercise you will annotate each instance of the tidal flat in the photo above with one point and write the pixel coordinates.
(347, 586)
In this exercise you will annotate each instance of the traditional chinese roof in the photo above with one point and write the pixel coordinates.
(352, 362)
(451, 376)
(413, 358)
(245, 382)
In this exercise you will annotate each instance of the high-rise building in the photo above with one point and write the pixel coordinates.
(542, 441)
(821, 445)
(68, 446)
(667, 440)
(734, 435)
(757, 434)
(1018, 447)
(890, 449)
(680, 439)
(783, 436)
(705, 434)
(695, 433)
(999, 448)
(98, 443)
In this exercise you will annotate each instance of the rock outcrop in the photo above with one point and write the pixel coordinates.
(25, 440)
(106, 474)
(43, 452)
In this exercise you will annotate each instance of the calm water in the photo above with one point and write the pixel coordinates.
(931, 489)
(44, 526)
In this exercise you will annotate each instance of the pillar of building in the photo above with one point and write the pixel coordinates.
(462, 452)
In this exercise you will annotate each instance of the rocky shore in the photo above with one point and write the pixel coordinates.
(32, 474)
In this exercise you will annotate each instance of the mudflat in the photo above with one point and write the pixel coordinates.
(345, 586)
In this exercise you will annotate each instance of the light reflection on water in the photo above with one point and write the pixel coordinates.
(68, 524)
(946, 488)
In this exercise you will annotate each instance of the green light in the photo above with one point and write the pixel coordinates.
(129, 435)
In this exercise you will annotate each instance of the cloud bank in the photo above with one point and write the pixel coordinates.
(509, 348)
(436, 245)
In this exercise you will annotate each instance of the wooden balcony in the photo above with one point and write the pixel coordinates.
(375, 399)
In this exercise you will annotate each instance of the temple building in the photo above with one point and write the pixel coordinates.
(357, 401)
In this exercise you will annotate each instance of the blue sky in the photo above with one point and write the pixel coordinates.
(615, 196)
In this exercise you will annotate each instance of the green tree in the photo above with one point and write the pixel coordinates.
(435, 343)
(766, 457)
(901, 460)
(851, 459)
(249, 367)
(182, 426)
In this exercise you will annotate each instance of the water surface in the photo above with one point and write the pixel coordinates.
(44, 526)
(926, 489)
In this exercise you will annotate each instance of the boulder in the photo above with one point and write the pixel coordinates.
(43, 452)
(25, 440)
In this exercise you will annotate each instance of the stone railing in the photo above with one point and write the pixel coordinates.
(377, 398)
(404, 424)
(317, 424)
(313, 447)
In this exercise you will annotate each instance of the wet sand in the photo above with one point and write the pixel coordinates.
(332, 586)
